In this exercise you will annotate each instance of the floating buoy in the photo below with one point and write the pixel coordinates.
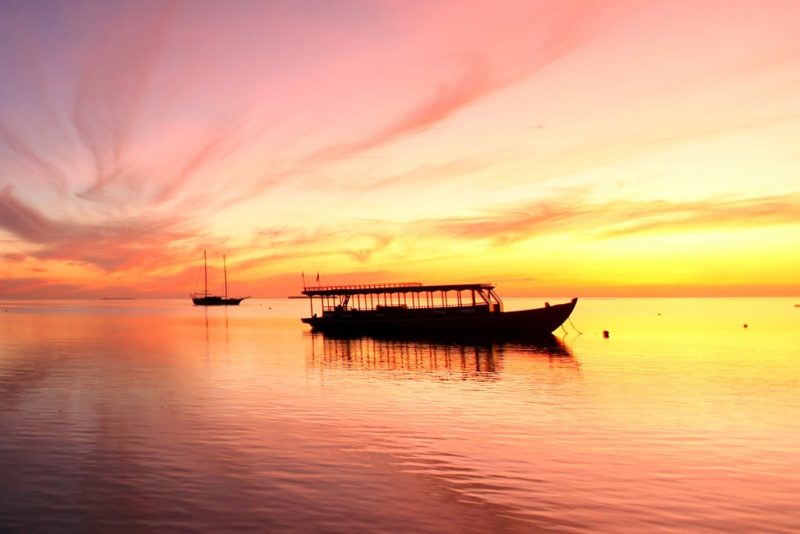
(605, 334)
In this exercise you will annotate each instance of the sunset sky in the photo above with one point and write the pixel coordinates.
(553, 148)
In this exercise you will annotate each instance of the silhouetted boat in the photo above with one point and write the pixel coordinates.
(214, 300)
(471, 310)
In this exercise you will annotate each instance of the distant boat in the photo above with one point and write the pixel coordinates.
(440, 310)
(205, 299)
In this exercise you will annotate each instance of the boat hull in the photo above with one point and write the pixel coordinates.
(216, 301)
(445, 322)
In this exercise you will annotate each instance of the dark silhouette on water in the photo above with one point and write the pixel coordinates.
(467, 359)
(545, 343)
(214, 300)
(455, 310)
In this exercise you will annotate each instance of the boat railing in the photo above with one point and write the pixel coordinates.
(361, 286)
(364, 307)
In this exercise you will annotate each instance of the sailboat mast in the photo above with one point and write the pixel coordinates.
(205, 274)
(225, 270)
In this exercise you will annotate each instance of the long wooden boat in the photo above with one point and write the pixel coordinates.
(205, 299)
(433, 310)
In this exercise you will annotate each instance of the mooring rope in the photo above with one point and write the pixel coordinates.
(573, 325)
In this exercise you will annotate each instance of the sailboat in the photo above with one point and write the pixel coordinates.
(205, 299)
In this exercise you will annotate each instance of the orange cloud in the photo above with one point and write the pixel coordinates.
(513, 223)
(118, 244)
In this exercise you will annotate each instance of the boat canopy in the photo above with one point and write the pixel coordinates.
(403, 287)
(407, 295)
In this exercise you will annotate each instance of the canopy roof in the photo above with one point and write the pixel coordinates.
(406, 287)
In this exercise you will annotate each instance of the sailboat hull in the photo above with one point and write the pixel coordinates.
(216, 301)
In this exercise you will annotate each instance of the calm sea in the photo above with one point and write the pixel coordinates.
(157, 415)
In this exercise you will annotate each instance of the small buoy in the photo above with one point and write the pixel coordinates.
(605, 334)
(745, 325)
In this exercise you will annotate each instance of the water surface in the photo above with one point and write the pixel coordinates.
(126, 415)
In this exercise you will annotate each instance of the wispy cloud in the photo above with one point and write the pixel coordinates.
(111, 91)
(508, 224)
(218, 145)
(29, 158)
(474, 75)
(446, 99)
(122, 243)
(26, 222)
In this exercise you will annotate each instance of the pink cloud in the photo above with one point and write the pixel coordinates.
(446, 99)
(43, 169)
(112, 89)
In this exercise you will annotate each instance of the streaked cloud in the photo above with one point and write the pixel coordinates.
(121, 243)
(510, 224)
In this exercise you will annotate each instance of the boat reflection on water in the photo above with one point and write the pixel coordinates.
(473, 358)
